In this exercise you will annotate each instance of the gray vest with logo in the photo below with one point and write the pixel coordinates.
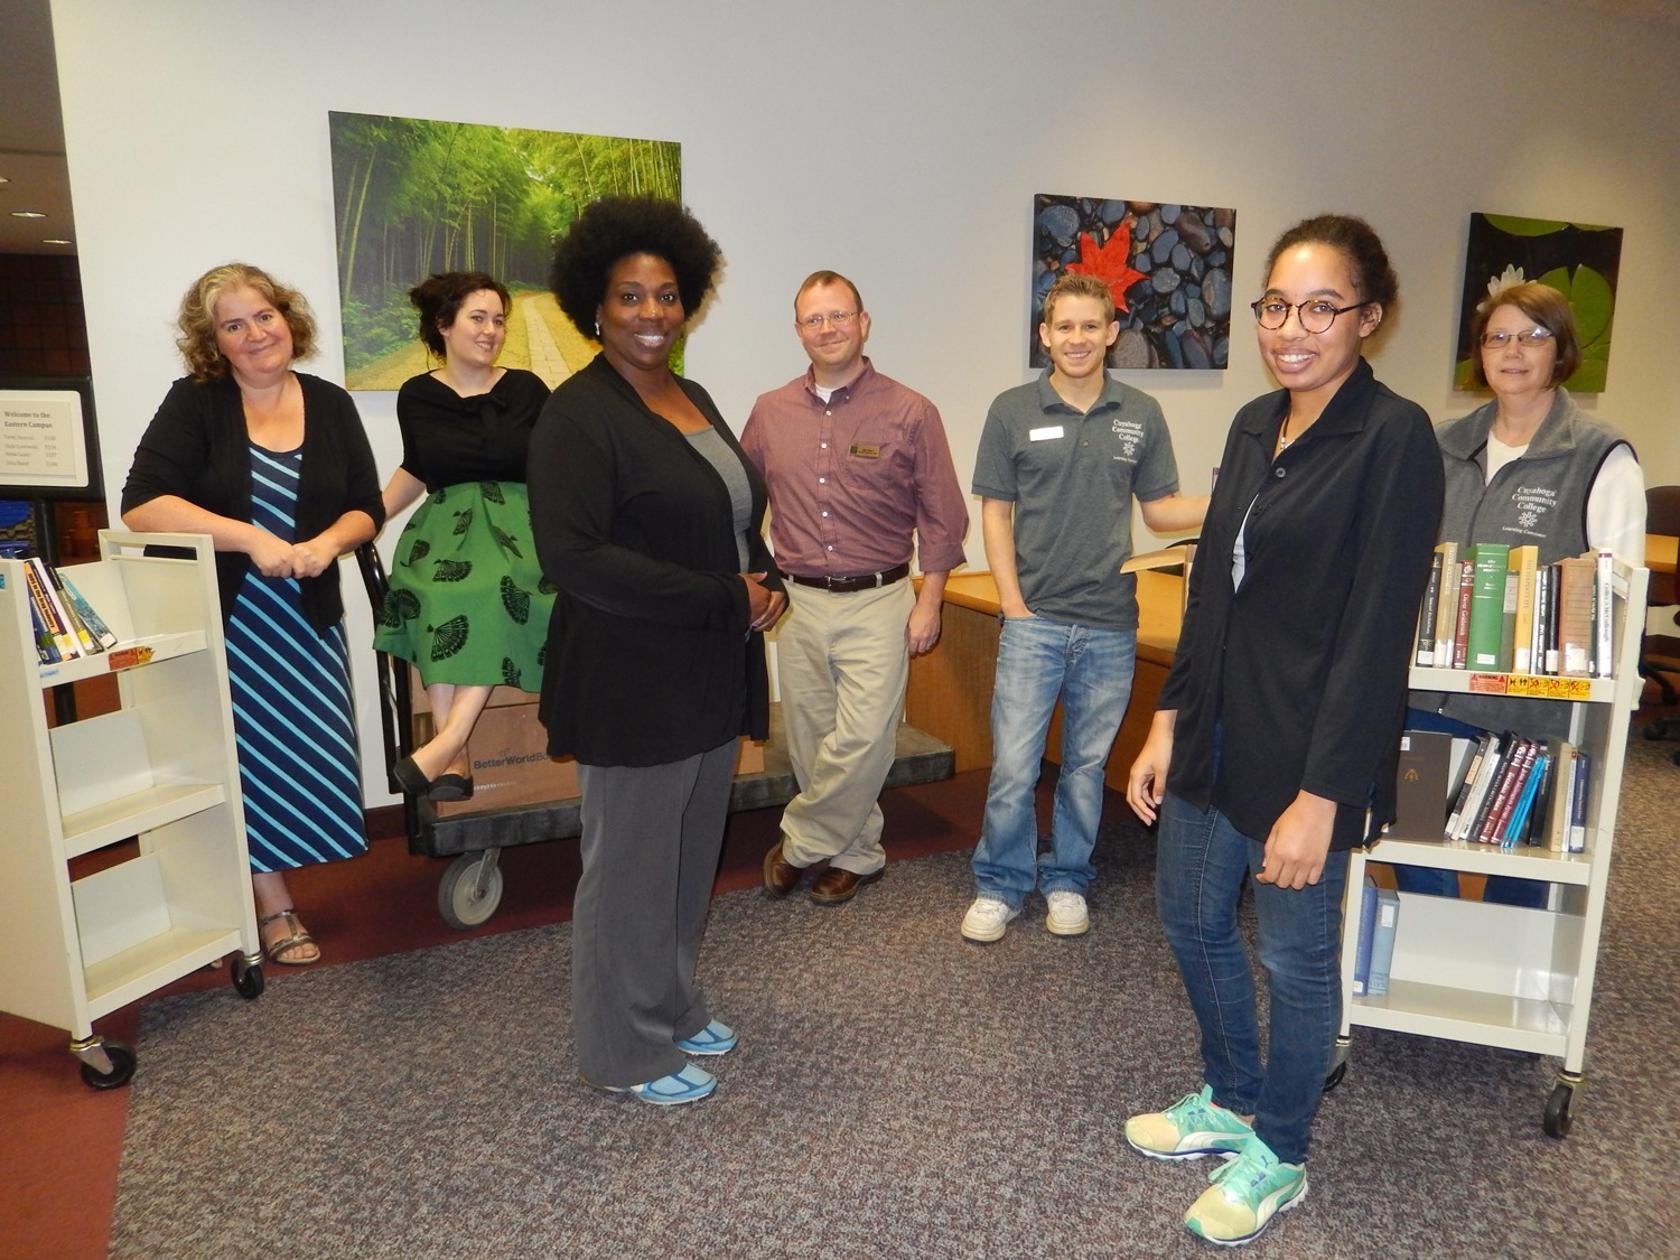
(1539, 499)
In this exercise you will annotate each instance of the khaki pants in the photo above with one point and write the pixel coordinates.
(843, 669)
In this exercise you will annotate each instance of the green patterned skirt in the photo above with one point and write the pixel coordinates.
(467, 603)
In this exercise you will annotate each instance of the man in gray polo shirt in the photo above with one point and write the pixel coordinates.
(1060, 461)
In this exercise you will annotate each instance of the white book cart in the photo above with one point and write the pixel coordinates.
(1510, 976)
(161, 767)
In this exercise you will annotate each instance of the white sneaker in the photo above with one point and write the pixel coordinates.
(987, 918)
(1068, 916)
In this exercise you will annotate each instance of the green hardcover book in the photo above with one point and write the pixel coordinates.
(1487, 605)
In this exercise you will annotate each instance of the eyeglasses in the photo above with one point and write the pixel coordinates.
(1532, 339)
(838, 318)
(1315, 316)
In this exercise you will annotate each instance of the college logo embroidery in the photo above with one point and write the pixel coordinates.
(1532, 503)
(1130, 435)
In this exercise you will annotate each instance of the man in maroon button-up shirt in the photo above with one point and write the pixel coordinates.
(859, 471)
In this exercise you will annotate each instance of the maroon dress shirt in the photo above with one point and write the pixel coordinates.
(852, 478)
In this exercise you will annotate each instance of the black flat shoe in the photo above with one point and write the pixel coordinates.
(411, 778)
(451, 787)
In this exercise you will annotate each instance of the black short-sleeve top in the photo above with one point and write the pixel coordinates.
(448, 439)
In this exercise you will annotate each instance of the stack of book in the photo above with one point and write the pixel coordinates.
(1520, 791)
(66, 625)
(1494, 608)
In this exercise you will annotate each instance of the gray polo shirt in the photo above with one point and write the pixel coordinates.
(1071, 478)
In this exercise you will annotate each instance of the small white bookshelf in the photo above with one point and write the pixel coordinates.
(1515, 977)
(160, 769)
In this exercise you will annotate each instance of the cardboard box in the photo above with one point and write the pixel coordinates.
(511, 765)
(500, 697)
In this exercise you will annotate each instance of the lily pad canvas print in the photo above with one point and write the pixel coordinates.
(1579, 260)
(412, 196)
(1168, 267)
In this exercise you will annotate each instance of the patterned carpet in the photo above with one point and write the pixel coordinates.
(898, 1093)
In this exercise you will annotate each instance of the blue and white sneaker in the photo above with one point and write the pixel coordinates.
(690, 1084)
(1192, 1127)
(1245, 1195)
(715, 1038)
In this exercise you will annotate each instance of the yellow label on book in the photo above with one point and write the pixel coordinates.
(1488, 684)
(1546, 687)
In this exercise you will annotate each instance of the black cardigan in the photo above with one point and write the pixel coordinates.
(649, 656)
(1305, 666)
(197, 448)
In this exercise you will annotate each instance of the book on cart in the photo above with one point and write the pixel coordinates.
(1367, 925)
(84, 612)
(1382, 941)
(1488, 567)
(1446, 609)
(45, 602)
(1424, 651)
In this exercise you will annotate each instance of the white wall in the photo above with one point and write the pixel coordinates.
(902, 144)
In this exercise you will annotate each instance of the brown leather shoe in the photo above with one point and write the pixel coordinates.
(835, 886)
(780, 876)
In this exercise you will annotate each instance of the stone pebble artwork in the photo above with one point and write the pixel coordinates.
(1168, 266)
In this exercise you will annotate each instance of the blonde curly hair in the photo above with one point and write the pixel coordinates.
(197, 320)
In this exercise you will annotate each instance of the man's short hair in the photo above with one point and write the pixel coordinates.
(817, 278)
(1079, 284)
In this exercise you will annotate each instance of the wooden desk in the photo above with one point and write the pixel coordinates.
(1659, 552)
(950, 693)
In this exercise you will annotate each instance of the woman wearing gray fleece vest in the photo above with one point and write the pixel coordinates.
(1528, 468)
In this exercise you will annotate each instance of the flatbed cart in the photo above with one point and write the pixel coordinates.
(470, 888)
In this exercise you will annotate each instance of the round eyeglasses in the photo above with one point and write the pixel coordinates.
(838, 318)
(1315, 316)
(1530, 339)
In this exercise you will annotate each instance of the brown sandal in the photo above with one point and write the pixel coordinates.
(297, 940)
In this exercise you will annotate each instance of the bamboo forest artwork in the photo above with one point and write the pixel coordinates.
(1579, 260)
(1168, 267)
(413, 197)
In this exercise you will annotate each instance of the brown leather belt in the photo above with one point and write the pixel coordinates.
(863, 582)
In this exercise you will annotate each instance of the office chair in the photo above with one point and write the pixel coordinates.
(1662, 516)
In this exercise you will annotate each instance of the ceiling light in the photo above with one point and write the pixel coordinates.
(28, 214)
(55, 240)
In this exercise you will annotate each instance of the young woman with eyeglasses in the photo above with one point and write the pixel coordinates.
(1274, 747)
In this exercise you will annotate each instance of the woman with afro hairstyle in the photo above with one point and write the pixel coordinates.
(647, 520)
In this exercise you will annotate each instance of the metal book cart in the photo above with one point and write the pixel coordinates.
(1509, 976)
(470, 888)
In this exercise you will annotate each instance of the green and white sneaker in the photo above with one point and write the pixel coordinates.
(1192, 1127)
(1246, 1194)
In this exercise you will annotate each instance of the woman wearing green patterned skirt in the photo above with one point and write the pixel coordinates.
(467, 605)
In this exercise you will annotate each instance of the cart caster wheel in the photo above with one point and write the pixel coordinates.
(123, 1062)
(248, 981)
(1652, 730)
(1557, 1120)
(1338, 1063)
(462, 901)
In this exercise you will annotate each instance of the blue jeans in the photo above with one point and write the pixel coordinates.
(1202, 865)
(1090, 668)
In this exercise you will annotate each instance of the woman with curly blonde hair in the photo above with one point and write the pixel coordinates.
(273, 465)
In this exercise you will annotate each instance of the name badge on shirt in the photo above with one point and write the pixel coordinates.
(865, 452)
(1045, 434)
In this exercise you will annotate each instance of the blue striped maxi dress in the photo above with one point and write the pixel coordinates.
(292, 716)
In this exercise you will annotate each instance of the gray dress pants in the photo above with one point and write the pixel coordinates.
(651, 838)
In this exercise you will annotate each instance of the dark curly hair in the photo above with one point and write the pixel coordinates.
(438, 299)
(617, 227)
(1359, 244)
